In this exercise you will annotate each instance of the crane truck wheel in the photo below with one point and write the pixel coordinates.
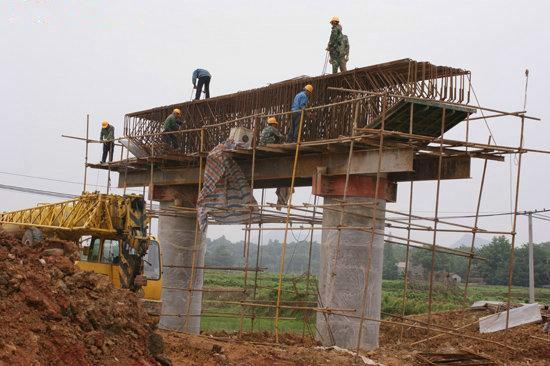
(32, 236)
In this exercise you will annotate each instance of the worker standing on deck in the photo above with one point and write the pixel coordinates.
(203, 77)
(270, 134)
(338, 47)
(107, 135)
(171, 124)
(299, 103)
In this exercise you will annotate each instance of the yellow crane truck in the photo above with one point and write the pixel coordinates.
(111, 231)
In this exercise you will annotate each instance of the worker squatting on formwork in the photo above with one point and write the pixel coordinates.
(172, 123)
(203, 77)
(338, 47)
(298, 104)
(271, 134)
(107, 135)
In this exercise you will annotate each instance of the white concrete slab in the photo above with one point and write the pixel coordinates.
(525, 314)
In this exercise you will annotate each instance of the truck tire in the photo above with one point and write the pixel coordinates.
(32, 236)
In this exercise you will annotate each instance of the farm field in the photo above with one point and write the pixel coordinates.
(221, 311)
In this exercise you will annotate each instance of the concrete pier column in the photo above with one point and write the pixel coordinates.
(177, 238)
(342, 272)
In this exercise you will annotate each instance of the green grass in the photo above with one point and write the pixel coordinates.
(294, 289)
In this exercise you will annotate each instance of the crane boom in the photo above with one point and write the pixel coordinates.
(106, 216)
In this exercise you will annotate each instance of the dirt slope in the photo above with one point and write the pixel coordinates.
(52, 313)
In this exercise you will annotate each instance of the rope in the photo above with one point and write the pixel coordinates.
(325, 65)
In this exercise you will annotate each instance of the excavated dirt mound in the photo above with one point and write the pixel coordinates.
(52, 313)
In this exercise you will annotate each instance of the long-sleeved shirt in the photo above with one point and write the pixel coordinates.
(335, 38)
(171, 123)
(300, 101)
(107, 133)
(271, 135)
(199, 73)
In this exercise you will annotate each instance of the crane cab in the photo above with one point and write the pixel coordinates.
(103, 255)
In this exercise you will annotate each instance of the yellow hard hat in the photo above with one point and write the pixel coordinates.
(309, 88)
(272, 121)
(335, 19)
(105, 123)
(176, 111)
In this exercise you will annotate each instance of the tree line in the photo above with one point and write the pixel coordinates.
(493, 269)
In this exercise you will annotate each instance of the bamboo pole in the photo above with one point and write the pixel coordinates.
(438, 188)
(407, 253)
(287, 222)
(476, 220)
(257, 262)
(374, 211)
(514, 223)
(196, 239)
(86, 155)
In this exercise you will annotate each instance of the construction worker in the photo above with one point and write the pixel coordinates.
(107, 135)
(172, 123)
(338, 47)
(270, 134)
(299, 103)
(203, 77)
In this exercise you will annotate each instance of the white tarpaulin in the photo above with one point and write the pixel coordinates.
(525, 314)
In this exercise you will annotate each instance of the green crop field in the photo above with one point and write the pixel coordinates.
(221, 310)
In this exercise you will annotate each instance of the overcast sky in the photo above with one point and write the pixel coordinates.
(61, 60)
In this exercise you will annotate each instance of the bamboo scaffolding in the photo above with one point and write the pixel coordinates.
(359, 139)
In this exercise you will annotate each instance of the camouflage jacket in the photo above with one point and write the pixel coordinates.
(335, 38)
(271, 135)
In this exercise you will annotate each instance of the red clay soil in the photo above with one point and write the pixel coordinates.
(52, 313)
(204, 350)
(516, 346)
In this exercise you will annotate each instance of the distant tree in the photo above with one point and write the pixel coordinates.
(222, 256)
(541, 260)
(389, 270)
(494, 268)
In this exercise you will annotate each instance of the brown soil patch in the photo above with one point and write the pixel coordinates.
(52, 313)
(518, 347)
(189, 350)
(258, 348)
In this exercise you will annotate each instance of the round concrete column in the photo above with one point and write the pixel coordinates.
(177, 238)
(342, 274)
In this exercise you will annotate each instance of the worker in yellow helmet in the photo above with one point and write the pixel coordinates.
(338, 46)
(270, 134)
(298, 104)
(107, 135)
(172, 123)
